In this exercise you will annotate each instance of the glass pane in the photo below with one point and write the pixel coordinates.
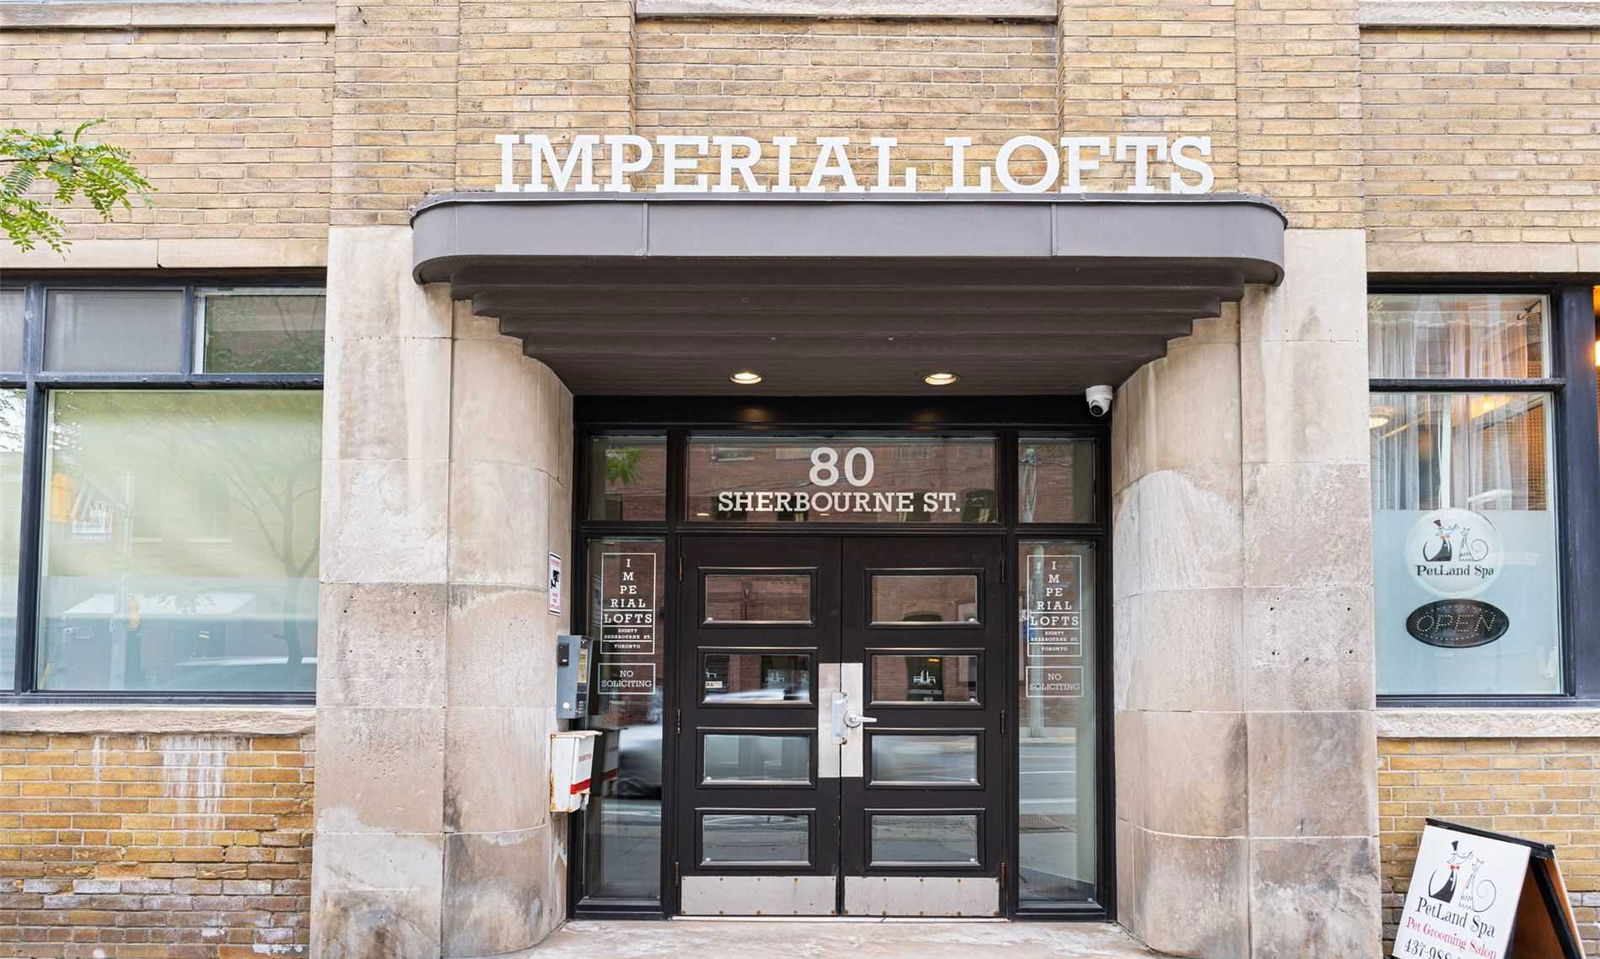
(628, 478)
(13, 407)
(261, 331)
(1457, 335)
(924, 678)
(916, 599)
(1055, 480)
(761, 758)
(1464, 544)
(622, 824)
(948, 840)
(941, 760)
(843, 478)
(765, 598)
(746, 678)
(1057, 813)
(114, 331)
(750, 838)
(180, 541)
(11, 329)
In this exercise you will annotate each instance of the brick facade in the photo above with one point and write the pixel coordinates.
(154, 847)
(1542, 789)
(232, 127)
(1484, 136)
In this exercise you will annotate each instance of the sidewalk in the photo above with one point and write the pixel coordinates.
(828, 939)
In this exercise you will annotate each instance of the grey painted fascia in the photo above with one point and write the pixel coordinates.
(459, 228)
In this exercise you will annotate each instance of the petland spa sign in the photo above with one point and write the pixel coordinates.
(533, 163)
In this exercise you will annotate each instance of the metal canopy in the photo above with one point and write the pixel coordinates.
(845, 294)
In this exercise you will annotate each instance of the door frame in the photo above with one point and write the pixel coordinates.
(1007, 418)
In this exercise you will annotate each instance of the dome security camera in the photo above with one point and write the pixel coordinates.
(1099, 399)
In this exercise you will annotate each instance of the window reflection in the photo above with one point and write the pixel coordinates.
(945, 840)
(628, 478)
(756, 758)
(935, 760)
(903, 599)
(924, 678)
(180, 541)
(755, 838)
(762, 598)
(747, 678)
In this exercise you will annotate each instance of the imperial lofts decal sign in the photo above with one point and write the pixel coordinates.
(534, 163)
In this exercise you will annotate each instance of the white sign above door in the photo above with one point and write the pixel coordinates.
(533, 163)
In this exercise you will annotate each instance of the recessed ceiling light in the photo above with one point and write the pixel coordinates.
(940, 379)
(746, 377)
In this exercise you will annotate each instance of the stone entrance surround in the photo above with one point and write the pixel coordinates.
(1245, 750)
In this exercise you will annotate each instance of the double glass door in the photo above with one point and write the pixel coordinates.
(842, 733)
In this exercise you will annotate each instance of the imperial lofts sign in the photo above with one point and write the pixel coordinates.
(532, 163)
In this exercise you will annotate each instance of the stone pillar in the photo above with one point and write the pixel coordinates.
(446, 477)
(378, 858)
(510, 507)
(1246, 756)
(1181, 733)
(1308, 629)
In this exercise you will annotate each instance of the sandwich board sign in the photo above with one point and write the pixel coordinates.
(1476, 894)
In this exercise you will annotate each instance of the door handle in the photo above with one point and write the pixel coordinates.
(839, 711)
(853, 720)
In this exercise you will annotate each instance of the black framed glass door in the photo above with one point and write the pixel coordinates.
(842, 736)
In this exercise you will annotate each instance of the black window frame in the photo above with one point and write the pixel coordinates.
(37, 383)
(1575, 439)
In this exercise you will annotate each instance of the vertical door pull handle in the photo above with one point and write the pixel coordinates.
(839, 709)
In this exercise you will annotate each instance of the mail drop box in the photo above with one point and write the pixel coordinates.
(571, 767)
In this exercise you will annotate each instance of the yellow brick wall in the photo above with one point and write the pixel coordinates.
(154, 847)
(1482, 135)
(916, 81)
(231, 126)
(1151, 66)
(1542, 789)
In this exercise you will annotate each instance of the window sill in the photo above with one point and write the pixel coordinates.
(1509, 722)
(851, 9)
(1547, 14)
(110, 16)
(249, 720)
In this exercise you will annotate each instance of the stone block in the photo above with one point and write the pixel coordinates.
(1307, 524)
(1130, 875)
(502, 647)
(1315, 897)
(1323, 294)
(384, 521)
(1186, 650)
(499, 404)
(498, 892)
(1195, 406)
(389, 399)
(1132, 430)
(1189, 528)
(497, 767)
(376, 896)
(1308, 402)
(1308, 648)
(1195, 773)
(1194, 895)
(559, 520)
(1131, 785)
(498, 535)
(1127, 570)
(1313, 774)
(371, 293)
(380, 770)
(381, 644)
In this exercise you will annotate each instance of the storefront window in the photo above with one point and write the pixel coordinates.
(180, 541)
(622, 825)
(628, 478)
(1058, 809)
(843, 478)
(1466, 563)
